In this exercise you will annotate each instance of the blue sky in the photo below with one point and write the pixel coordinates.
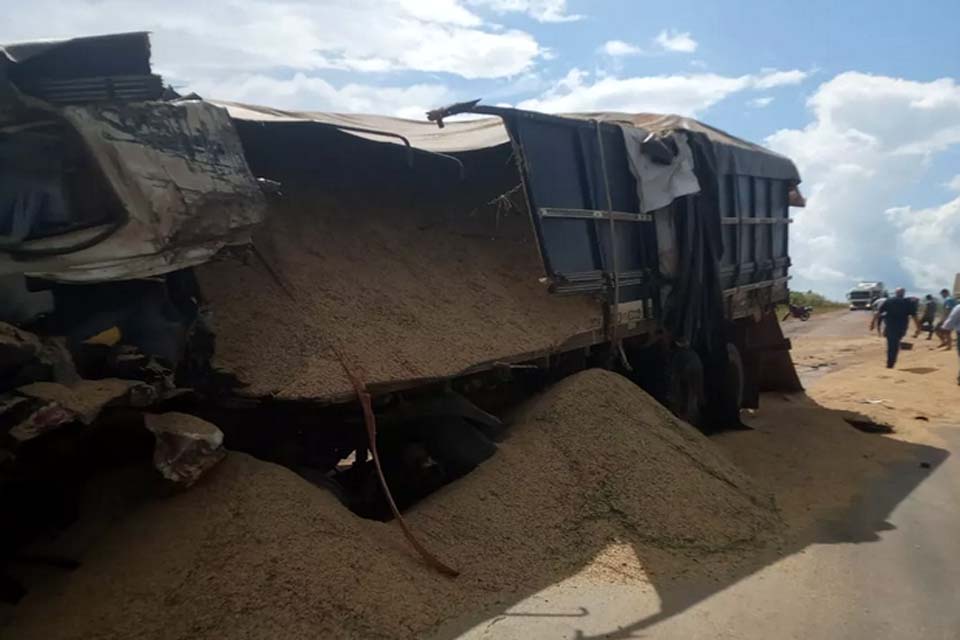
(863, 95)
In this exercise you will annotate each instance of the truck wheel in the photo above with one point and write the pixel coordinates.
(732, 389)
(456, 444)
(686, 394)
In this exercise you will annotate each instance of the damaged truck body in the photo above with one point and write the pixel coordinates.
(238, 265)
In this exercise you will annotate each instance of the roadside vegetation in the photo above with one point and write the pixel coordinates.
(818, 301)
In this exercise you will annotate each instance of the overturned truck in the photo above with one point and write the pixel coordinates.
(253, 264)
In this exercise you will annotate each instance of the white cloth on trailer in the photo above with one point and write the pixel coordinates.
(659, 184)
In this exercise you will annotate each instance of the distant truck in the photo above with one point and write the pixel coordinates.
(865, 294)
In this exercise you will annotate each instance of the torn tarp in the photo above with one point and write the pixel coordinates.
(184, 189)
(103, 181)
(734, 155)
(456, 137)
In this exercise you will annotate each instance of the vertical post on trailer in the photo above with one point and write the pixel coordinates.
(615, 306)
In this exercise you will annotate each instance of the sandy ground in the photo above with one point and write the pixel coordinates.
(843, 366)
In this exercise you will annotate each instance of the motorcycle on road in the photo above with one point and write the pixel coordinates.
(797, 311)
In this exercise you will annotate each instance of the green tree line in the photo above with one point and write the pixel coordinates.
(813, 299)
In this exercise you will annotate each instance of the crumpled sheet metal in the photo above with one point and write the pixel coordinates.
(85, 398)
(179, 170)
(44, 417)
(52, 405)
(17, 347)
(187, 446)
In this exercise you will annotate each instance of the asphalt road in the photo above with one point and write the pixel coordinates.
(889, 568)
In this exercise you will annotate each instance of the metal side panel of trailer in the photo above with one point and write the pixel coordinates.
(755, 219)
(593, 234)
(585, 210)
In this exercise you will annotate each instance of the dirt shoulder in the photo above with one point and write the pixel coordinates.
(806, 447)
(851, 375)
(921, 392)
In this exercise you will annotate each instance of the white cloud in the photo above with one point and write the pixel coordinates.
(954, 183)
(823, 273)
(772, 78)
(900, 115)
(928, 241)
(682, 94)
(869, 146)
(672, 40)
(220, 37)
(617, 48)
(665, 42)
(540, 10)
(760, 103)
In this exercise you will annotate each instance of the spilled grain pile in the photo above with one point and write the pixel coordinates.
(593, 459)
(255, 552)
(407, 293)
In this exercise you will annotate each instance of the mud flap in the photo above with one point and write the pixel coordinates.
(686, 396)
(767, 362)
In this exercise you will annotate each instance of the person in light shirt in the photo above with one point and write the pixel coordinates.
(875, 319)
(952, 323)
(946, 336)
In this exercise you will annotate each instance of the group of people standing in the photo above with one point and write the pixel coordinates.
(892, 319)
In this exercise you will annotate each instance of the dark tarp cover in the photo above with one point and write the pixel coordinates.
(733, 155)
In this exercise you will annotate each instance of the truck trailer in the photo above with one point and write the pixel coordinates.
(254, 264)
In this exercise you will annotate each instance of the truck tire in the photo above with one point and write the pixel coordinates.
(732, 390)
(686, 395)
(456, 444)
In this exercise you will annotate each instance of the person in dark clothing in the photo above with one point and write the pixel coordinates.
(896, 313)
(928, 320)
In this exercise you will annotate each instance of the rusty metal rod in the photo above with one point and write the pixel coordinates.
(370, 421)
